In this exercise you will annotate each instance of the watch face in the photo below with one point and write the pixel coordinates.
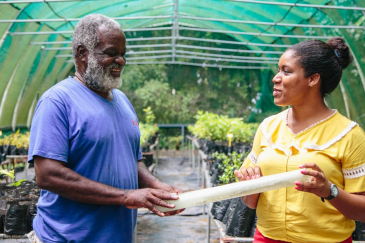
(334, 190)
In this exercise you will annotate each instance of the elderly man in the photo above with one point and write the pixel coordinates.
(84, 143)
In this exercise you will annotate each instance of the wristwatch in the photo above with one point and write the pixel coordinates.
(334, 193)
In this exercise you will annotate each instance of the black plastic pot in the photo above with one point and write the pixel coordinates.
(230, 210)
(253, 227)
(219, 209)
(359, 233)
(16, 221)
(239, 225)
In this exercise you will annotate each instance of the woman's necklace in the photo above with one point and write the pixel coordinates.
(325, 119)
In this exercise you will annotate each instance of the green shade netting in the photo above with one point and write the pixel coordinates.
(28, 70)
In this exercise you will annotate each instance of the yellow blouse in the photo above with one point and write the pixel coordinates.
(337, 146)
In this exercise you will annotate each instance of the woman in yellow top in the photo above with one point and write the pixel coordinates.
(315, 138)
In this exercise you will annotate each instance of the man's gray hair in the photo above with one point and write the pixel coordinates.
(86, 32)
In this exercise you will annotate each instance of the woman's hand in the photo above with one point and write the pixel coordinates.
(319, 184)
(250, 173)
(244, 174)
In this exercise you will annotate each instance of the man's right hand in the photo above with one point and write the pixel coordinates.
(148, 198)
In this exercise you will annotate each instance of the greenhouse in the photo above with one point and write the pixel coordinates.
(202, 80)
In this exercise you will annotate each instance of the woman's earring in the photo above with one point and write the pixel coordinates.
(311, 84)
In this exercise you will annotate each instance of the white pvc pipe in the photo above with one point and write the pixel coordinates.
(238, 189)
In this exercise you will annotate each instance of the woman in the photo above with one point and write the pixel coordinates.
(316, 139)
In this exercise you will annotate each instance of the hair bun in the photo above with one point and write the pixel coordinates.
(342, 50)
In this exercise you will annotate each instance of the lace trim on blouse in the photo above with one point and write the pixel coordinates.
(354, 172)
(253, 157)
(288, 152)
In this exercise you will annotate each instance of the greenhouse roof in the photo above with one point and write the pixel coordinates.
(35, 44)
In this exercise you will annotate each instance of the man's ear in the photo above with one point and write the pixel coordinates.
(81, 57)
(82, 53)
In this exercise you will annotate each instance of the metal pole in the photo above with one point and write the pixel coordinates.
(258, 33)
(233, 42)
(78, 19)
(224, 59)
(129, 47)
(298, 4)
(208, 228)
(199, 170)
(274, 23)
(224, 56)
(175, 31)
(71, 31)
(193, 154)
(157, 151)
(183, 136)
(227, 49)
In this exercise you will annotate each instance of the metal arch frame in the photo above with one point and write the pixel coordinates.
(194, 18)
(39, 1)
(5, 94)
(7, 31)
(15, 113)
(298, 5)
(344, 95)
(175, 28)
(245, 1)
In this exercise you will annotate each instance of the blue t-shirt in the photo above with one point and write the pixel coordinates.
(98, 139)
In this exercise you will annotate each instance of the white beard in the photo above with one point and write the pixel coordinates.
(98, 79)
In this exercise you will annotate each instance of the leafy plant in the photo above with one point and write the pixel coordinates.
(149, 116)
(229, 164)
(8, 173)
(18, 183)
(216, 127)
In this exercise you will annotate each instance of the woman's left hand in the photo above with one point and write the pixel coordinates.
(319, 184)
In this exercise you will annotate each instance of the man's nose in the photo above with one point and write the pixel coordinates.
(121, 60)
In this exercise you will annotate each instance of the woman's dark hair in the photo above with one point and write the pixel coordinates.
(326, 59)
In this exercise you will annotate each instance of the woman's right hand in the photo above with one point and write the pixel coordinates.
(249, 173)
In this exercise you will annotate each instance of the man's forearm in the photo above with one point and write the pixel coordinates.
(145, 178)
(57, 178)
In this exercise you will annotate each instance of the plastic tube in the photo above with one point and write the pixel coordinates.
(238, 189)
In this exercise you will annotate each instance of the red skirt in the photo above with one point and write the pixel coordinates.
(259, 238)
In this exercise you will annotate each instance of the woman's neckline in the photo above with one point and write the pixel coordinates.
(306, 129)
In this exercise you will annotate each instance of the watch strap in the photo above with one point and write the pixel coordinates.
(330, 196)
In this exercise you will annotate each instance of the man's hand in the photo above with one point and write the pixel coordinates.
(147, 180)
(148, 198)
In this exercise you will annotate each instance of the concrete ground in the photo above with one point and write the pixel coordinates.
(189, 226)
